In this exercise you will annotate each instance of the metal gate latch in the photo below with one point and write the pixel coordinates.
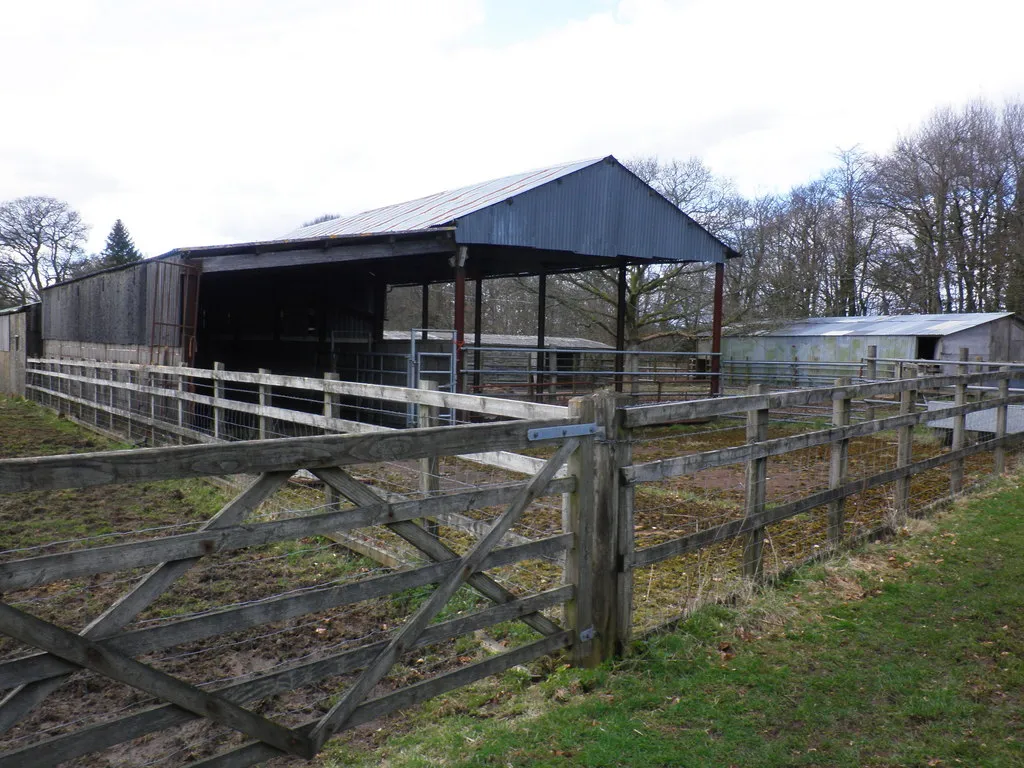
(568, 430)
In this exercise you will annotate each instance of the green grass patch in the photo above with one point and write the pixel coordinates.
(909, 653)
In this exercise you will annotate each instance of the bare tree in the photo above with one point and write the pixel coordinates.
(41, 238)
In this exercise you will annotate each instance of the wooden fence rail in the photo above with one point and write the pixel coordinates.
(492, 406)
(52, 381)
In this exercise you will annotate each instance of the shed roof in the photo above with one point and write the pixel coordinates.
(594, 207)
(19, 308)
(588, 214)
(440, 208)
(891, 325)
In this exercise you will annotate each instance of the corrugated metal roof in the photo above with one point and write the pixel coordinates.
(509, 340)
(17, 309)
(892, 325)
(440, 208)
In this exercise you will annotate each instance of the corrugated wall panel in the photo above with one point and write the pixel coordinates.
(835, 349)
(977, 340)
(601, 210)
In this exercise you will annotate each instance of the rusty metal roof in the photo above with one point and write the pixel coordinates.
(440, 208)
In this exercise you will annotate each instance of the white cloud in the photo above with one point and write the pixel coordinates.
(202, 122)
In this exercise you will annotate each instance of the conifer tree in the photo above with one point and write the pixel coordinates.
(119, 248)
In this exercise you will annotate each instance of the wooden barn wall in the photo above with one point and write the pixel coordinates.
(164, 295)
(107, 309)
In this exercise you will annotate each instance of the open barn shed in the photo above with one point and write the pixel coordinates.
(314, 300)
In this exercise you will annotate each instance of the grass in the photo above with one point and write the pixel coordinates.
(909, 653)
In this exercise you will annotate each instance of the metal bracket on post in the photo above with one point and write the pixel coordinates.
(554, 433)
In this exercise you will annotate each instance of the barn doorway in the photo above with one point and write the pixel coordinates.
(926, 347)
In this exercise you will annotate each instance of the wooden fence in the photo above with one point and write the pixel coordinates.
(597, 438)
(107, 649)
(160, 404)
(898, 405)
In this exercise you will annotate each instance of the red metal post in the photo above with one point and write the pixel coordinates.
(542, 309)
(477, 330)
(716, 331)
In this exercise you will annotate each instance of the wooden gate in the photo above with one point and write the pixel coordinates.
(115, 646)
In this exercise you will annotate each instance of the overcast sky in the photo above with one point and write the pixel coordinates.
(203, 122)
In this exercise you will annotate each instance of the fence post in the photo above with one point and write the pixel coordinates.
(905, 448)
(870, 373)
(756, 481)
(331, 497)
(838, 462)
(956, 472)
(151, 383)
(1004, 393)
(264, 403)
(330, 401)
(115, 378)
(430, 466)
(613, 533)
(181, 407)
(131, 378)
(218, 395)
(578, 519)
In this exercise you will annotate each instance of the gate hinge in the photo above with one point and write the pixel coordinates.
(586, 634)
(568, 430)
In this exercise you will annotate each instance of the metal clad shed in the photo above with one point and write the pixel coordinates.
(992, 336)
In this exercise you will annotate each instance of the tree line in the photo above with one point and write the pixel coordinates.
(42, 242)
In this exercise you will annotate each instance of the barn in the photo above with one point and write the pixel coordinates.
(988, 337)
(313, 301)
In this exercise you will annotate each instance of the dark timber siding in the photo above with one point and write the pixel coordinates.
(110, 308)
